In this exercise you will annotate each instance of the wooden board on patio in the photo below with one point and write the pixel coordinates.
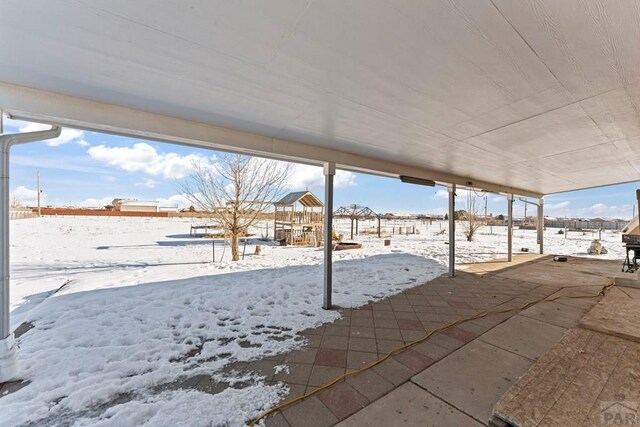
(618, 313)
(587, 378)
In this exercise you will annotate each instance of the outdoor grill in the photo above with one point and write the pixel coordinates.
(631, 242)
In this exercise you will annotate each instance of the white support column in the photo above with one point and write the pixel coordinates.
(8, 348)
(541, 225)
(452, 230)
(329, 172)
(510, 227)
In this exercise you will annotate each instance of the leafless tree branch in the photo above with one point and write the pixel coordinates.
(236, 190)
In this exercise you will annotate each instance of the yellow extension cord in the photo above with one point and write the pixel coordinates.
(418, 341)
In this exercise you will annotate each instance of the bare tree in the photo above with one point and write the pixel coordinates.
(471, 217)
(15, 202)
(236, 190)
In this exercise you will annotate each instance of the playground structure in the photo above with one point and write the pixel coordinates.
(298, 219)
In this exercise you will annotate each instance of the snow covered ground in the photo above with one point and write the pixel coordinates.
(140, 304)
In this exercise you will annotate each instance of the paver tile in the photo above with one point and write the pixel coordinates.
(360, 359)
(321, 375)
(370, 384)
(363, 344)
(409, 406)
(342, 399)
(414, 360)
(331, 357)
(310, 412)
(393, 371)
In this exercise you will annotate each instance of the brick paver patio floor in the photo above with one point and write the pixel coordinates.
(366, 334)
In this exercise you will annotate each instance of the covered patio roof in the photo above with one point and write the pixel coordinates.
(532, 97)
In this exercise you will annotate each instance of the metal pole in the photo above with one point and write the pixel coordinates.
(244, 248)
(510, 227)
(452, 230)
(541, 225)
(4, 248)
(329, 172)
(8, 349)
(39, 210)
(486, 197)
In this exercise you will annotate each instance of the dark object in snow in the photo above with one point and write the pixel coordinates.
(343, 246)
(283, 242)
(524, 249)
(560, 258)
(387, 242)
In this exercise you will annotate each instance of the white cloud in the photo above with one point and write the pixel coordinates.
(149, 183)
(142, 157)
(177, 199)
(441, 194)
(26, 196)
(306, 176)
(66, 135)
(444, 194)
(563, 209)
(556, 206)
(607, 211)
(94, 203)
(600, 208)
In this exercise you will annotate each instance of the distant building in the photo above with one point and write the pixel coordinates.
(123, 205)
(174, 208)
(139, 206)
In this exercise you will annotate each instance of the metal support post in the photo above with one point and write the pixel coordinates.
(8, 347)
(510, 227)
(329, 172)
(541, 225)
(452, 230)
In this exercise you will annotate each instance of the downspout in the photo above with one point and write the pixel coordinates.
(8, 348)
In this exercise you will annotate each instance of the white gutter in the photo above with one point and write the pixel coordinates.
(8, 349)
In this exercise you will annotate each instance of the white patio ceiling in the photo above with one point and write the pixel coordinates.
(536, 97)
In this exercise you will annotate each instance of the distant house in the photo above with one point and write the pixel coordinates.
(124, 205)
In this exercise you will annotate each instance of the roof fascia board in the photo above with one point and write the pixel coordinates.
(47, 107)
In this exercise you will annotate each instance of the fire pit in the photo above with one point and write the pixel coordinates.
(343, 246)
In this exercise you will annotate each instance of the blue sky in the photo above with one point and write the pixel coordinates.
(90, 169)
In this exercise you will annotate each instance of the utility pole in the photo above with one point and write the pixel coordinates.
(485, 207)
(39, 211)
